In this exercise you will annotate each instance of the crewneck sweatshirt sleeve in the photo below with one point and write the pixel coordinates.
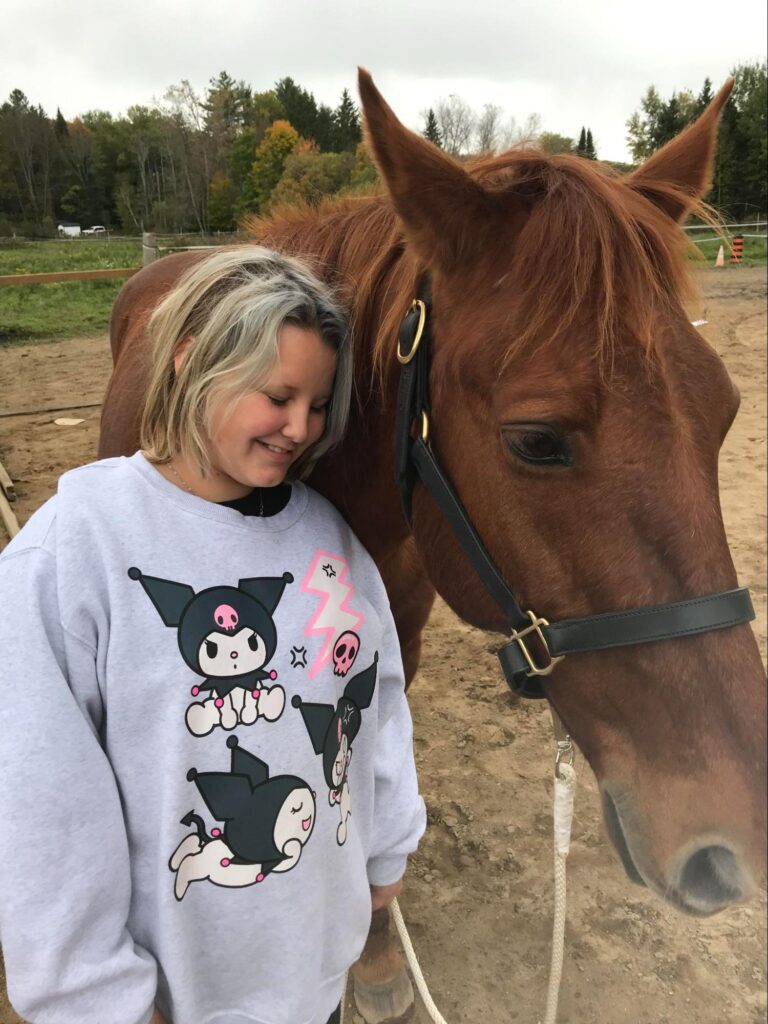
(399, 814)
(64, 869)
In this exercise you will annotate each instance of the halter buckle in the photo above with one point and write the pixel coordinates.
(416, 305)
(535, 627)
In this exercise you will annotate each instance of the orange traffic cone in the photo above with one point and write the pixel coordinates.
(720, 261)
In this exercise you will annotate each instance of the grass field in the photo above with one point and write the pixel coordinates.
(51, 312)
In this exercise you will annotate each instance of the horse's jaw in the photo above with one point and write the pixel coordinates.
(705, 877)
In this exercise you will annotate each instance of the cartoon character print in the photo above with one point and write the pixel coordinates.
(267, 823)
(226, 635)
(332, 731)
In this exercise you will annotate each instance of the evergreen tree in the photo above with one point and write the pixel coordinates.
(347, 123)
(705, 97)
(60, 125)
(431, 131)
(324, 132)
(589, 149)
(225, 103)
(670, 122)
(581, 148)
(298, 107)
(261, 109)
(740, 189)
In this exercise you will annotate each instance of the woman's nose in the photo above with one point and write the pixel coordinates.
(297, 426)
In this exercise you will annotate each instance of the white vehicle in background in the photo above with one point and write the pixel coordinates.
(97, 229)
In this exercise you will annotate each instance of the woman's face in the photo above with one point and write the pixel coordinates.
(255, 441)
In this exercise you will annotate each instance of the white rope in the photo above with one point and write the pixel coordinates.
(413, 963)
(565, 784)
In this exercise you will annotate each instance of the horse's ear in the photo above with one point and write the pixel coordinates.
(439, 204)
(679, 174)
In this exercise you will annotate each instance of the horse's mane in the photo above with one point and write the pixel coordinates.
(357, 243)
(594, 249)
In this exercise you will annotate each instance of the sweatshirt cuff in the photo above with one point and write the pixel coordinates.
(386, 870)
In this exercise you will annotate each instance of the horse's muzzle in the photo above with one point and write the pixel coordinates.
(706, 879)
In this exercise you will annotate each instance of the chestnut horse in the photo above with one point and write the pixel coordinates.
(579, 417)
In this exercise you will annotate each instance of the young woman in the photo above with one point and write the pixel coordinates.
(183, 632)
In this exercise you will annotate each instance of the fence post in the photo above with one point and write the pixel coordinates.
(148, 248)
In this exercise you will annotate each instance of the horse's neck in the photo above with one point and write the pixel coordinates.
(361, 246)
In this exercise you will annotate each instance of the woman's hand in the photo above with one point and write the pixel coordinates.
(382, 895)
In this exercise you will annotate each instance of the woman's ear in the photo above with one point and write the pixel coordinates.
(181, 352)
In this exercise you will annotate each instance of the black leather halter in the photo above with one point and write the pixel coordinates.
(532, 636)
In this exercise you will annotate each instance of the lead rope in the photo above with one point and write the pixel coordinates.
(564, 787)
(413, 963)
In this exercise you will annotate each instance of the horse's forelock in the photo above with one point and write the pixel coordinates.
(592, 249)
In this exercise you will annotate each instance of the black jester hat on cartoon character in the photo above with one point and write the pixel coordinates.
(226, 635)
(267, 823)
(332, 731)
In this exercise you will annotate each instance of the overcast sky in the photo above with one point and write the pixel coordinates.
(583, 62)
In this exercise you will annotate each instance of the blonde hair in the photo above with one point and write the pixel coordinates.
(233, 303)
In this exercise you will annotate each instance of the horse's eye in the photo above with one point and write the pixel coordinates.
(211, 649)
(537, 444)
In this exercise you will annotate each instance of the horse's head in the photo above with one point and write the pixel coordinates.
(579, 417)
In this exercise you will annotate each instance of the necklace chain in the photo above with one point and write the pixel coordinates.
(190, 490)
(181, 479)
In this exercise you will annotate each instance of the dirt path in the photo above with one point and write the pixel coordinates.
(478, 898)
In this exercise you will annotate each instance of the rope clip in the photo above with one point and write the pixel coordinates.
(565, 755)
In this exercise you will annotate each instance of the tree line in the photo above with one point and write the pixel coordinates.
(740, 184)
(201, 162)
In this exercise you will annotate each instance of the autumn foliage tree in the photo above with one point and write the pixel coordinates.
(201, 161)
(279, 141)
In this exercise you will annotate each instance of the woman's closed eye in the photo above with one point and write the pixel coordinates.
(317, 410)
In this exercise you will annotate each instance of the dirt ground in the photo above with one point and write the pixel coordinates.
(483, 935)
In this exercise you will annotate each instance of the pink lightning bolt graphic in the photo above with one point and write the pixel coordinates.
(328, 579)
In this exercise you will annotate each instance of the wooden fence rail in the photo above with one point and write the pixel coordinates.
(67, 275)
(150, 251)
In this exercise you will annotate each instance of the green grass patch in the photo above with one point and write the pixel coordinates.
(70, 254)
(755, 252)
(50, 312)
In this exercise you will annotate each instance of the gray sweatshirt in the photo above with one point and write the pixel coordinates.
(205, 755)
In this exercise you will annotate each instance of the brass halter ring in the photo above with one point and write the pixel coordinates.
(404, 360)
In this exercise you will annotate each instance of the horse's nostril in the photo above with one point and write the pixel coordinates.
(711, 879)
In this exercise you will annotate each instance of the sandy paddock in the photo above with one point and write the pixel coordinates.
(479, 892)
